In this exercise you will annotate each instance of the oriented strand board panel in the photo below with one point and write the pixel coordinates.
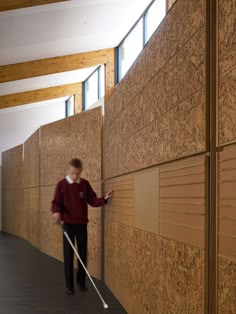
(14, 217)
(94, 246)
(154, 248)
(226, 42)
(78, 136)
(227, 72)
(50, 233)
(181, 278)
(186, 16)
(226, 285)
(31, 161)
(131, 267)
(153, 275)
(32, 211)
(12, 169)
(157, 112)
(183, 200)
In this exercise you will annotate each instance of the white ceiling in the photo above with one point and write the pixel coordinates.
(59, 29)
(65, 28)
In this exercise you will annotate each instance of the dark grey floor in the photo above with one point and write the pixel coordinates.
(33, 283)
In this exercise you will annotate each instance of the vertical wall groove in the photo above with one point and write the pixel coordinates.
(211, 147)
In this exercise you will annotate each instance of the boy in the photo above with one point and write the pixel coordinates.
(70, 205)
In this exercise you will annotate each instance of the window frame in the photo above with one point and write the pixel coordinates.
(143, 17)
(85, 84)
(67, 102)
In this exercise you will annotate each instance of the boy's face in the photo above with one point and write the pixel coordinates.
(74, 173)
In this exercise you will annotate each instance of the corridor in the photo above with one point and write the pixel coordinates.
(33, 283)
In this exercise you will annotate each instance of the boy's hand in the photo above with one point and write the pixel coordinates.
(108, 195)
(56, 217)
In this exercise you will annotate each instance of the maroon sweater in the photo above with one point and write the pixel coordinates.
(71, 201)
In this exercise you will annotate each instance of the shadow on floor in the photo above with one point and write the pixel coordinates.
(33, 283)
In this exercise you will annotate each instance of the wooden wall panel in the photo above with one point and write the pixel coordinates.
(94, 235)
(227, 72)
(227, 158)
(176, 242)
(31, 161)
(150, 274)
(12, 167)
(161, 116)
(78, 136)
(158, 52)
(15, 219)
(227, 202)
(181, 285)
(227, 230)
(120, 208)
(158, 114)
(226, 285)
(32, 212)
(183, 183)
(50, 233)
(146, 189)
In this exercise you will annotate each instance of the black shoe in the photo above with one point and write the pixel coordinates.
(69, 291)
(83, 287)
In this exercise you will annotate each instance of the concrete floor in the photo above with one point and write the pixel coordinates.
(33, 283)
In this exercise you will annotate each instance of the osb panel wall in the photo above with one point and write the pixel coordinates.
(31, 188)
(150, 272)
(227, 71)
(14, 218)
(77, 136)
(227, 231)
(31, 161)
(227, 158)
(157, 112)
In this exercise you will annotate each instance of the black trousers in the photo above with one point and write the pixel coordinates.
(78, 232)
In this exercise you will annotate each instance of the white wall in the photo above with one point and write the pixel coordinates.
(17, 124)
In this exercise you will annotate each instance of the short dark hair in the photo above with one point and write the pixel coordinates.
(76, 163)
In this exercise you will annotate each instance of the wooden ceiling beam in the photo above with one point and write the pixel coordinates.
(19, 71)
(7, 5)
(33, 96)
